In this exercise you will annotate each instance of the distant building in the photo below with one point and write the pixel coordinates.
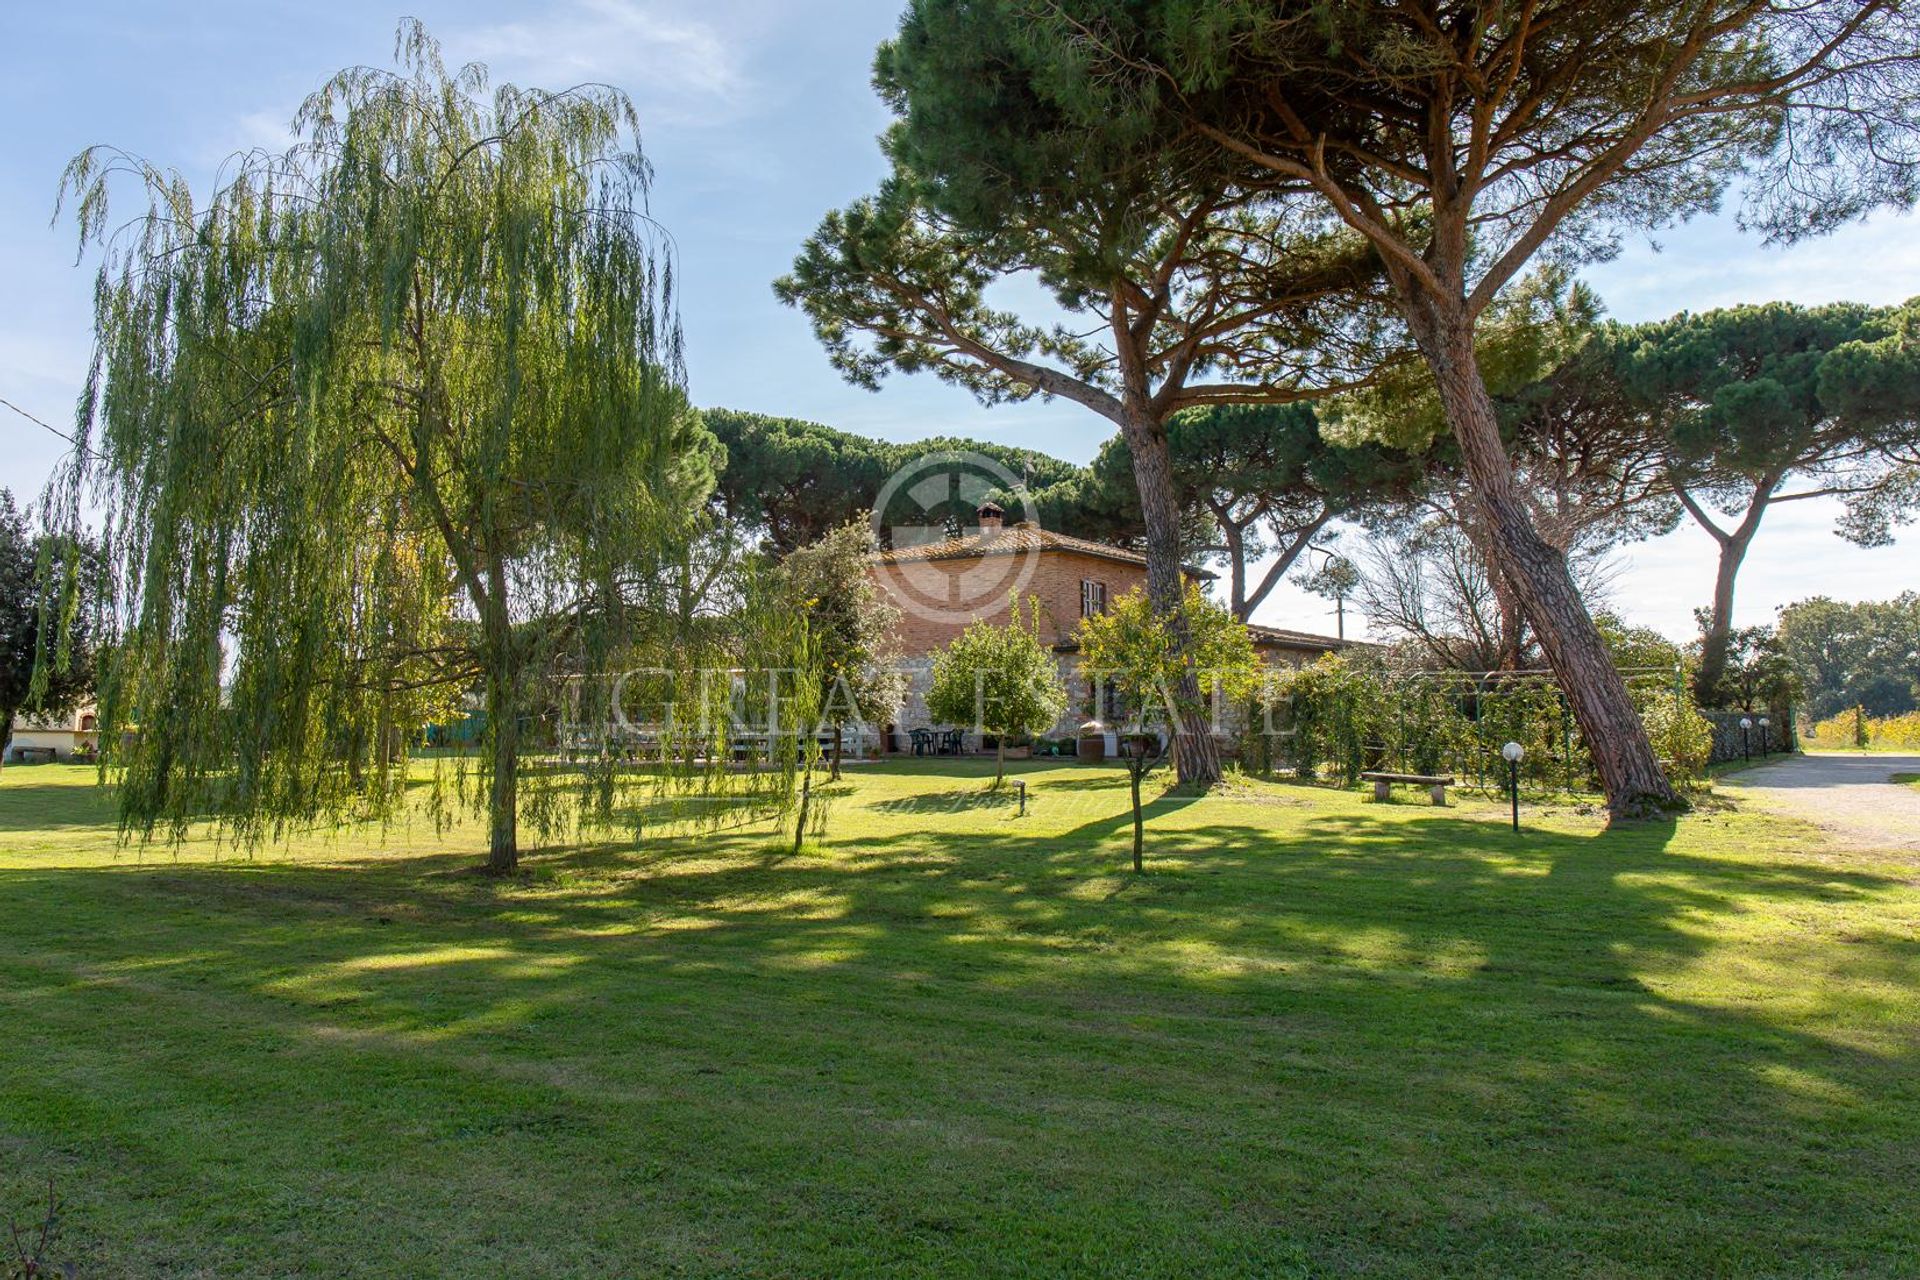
(65, 737)
(942, 586)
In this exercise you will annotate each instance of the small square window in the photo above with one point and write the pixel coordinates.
(1093, 598)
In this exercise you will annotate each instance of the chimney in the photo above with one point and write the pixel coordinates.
(991, 517)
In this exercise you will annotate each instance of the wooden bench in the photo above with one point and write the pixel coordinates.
(1383, 783)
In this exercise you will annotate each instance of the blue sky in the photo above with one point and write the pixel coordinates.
(759, 117)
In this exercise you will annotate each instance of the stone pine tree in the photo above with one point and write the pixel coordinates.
(1128, 648)
(1756, 407)
(1260, 484)
(46, 653)
(1175, 293)
(793, 482)
(1587, 471)
(1000, 679)
(790, 482)
(1337, 579)
(399, 408)
(1465, 139)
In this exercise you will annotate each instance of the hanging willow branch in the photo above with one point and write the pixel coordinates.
(395, 420)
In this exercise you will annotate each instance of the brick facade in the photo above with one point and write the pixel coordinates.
(1052, 582)
(942, 591)
(941, 588)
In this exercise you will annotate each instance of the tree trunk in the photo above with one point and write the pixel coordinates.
(999, 760)
(1234, 539)
(1538, 574)
(503, 732)
(1196, 758)
(1718, 634)
(806, 805)
(834, 775)
(1719, 629)
(6, 733)
(1139, 826)
(1512, 638)
(1297, 543)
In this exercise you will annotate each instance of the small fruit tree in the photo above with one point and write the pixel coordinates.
(1001, 680)
(1132, 648)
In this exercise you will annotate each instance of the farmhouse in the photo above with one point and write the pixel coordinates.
(942, 586)
(54, 738)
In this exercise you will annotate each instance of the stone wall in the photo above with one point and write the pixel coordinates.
(1776, 737)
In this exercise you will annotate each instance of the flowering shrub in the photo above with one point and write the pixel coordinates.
(1897, 731)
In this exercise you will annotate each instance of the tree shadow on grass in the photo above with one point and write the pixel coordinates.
(1396, 1033)
(50, 806)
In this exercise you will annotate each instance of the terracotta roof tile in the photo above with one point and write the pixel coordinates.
(1296, 639)
(1014, 540)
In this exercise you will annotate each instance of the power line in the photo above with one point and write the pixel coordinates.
(38, 422)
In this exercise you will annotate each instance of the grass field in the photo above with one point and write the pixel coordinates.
(1320, 1037)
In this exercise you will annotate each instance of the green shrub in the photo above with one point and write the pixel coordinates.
(1346, 714)
(1680, 734)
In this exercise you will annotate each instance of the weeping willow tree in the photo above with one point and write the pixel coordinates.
(394, 421)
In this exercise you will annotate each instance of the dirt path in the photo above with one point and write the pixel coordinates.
(1849, 795)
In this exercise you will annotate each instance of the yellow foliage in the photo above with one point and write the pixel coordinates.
(1857, 729)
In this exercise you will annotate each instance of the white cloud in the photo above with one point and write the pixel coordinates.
(1710, 264)
(675, 65)
(267, 130)
(680, 69)
(270, 129)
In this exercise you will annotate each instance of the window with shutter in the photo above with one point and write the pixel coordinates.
(1093, 598)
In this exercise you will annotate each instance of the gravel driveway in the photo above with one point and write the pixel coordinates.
(1849, 795)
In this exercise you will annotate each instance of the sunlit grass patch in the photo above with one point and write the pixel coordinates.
(1319, 1035)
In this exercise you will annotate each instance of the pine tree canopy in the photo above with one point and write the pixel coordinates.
(1463, 139)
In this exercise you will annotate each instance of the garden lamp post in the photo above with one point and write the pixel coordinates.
(1746, 754)
(1766, 737)
(1512, 753)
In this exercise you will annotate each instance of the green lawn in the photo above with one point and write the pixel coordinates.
(1321, 1037)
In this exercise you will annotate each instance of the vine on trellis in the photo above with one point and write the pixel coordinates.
(1343, 716)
